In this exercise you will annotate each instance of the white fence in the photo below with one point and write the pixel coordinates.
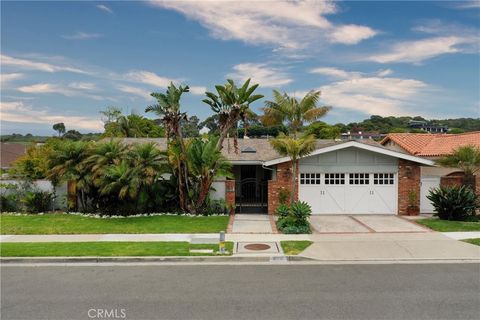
(43, 185)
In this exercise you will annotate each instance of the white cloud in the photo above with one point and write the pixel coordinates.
(420, 50)
(45, 88)
(9, 77)
(260, 73)
(82, 36)
(351, 34)
(22, 113)
(36, 65)
(471, 4)
(83, 86)
(72, 89)
(288, 25)
(148, 77)
(334, 72)
(104, 8)
(136, 91)
(198, 90)
(372, 93)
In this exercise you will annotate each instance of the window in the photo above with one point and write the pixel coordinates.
(359, 178)
(383, 178)
(309, 178)
(334, 178)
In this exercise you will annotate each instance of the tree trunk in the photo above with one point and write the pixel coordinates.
(469, 181)
(294, 182)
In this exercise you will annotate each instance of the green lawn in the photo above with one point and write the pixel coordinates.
(294, 247)
(105, 249)
(72, 224)
(473, 241)
(449, 226)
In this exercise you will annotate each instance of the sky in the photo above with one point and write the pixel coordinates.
(65, 61)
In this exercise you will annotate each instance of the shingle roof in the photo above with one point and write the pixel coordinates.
(9, 152)
(432, 145)
(262, 147)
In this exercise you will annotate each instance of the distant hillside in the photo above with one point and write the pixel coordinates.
(399, 124)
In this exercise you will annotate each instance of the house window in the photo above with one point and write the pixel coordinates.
(309, 178)
(383, 178)
(359, 178)
(334, 178)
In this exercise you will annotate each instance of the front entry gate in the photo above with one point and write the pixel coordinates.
(251, 196)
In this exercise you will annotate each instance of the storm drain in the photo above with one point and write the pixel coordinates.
(257, 247)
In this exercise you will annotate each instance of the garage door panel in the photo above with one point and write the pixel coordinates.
(356, 193)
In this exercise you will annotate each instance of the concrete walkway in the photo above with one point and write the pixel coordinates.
(363, 223)
(251, 223)
(463, 235)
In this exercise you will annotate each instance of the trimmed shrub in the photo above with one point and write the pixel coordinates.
(453, 202)
(37, 201)
(294, 219)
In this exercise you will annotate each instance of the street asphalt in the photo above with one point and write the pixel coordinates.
(387, 291)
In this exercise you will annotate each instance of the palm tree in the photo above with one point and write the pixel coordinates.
(67, 162)
(466, 158)
(105, 154)
(292, 111)
(205, 163)
(168, 109)
(117, 179)
(294, 148)
(232, 105)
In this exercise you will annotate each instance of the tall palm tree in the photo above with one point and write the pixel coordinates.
(294, 112)
(168, 109)
(466, 158)
(294, 148)
(232, 105)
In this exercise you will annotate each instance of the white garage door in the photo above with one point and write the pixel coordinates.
(349, 193)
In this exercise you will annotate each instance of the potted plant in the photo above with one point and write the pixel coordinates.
(413, 209)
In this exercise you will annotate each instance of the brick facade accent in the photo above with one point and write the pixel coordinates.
(230, 194)
(457, 179)
(408, 180)
(283, 180)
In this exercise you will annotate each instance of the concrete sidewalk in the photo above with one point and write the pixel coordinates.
(368, 247)
(236, 237)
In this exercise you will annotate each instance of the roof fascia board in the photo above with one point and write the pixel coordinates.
(359, 146)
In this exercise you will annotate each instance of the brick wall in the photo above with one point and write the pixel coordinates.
(283, 180)
(477, 184)
(230, 194)
(408, 179)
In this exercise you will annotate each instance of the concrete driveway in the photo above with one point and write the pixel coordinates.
(363, 224)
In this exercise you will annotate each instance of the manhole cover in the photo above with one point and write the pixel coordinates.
(257, 246)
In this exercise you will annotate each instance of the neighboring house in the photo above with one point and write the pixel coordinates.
(362, 135)
(432, 147)
(9, 152)
(427, 126)
(338, 177)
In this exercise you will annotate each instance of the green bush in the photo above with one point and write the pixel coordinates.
(294, 219)
(454, 203)
(283, 210)
(37, 201)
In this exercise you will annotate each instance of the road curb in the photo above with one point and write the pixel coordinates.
(262, 258)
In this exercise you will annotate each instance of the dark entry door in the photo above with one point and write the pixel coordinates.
(251, 191)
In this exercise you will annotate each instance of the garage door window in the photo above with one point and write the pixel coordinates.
(383, 178)
(309, 178)
(334, 178)
(359, 178)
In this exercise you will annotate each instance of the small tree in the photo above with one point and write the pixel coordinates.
(466, 158)
(293, 111)
(294, 148)
(60, 128)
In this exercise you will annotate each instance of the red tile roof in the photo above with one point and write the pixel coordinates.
(432, 145)
(10, 152)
